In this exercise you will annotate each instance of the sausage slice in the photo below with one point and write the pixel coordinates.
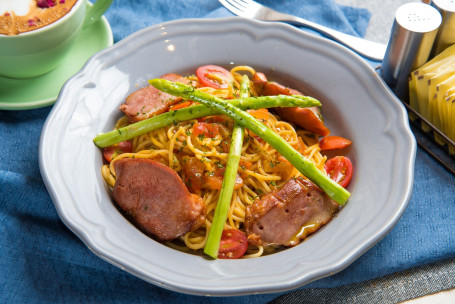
(308, 118)
(287, 215)
(155, 198)
(149, 101)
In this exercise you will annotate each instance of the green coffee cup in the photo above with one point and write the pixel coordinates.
(37, 52)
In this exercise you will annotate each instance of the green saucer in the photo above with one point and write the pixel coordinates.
(23, 94)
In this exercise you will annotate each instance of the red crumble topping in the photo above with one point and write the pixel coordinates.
(33, 22)
(45, 3)
(61, 1)
(6, 14)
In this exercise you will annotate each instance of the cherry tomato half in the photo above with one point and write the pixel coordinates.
(340, 170)
(214, 76)
(204, 129)
(233, 244)
(215, 181)
(334, 142)
(111, 152)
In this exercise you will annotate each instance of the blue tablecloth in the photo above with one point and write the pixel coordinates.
(41, 261)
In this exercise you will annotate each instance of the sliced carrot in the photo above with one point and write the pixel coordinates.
(261, 114)
(333, 142)
(180, 105)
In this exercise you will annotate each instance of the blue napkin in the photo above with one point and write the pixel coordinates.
(43, 262)
(126, 18)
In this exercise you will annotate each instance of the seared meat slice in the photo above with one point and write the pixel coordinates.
(287, 215)
(156, 199)
(149, 101)
(308, 118)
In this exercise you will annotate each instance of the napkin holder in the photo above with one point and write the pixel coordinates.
(413, 35)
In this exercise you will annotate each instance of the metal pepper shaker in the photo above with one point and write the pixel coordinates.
(446, 32)
(410, 43)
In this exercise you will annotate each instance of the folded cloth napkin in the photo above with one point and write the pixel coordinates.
(44, 262)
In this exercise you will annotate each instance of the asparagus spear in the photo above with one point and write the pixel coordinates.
(153, 123)
(306, 167)
(227, 187)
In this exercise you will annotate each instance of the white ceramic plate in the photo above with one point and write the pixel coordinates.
(356, 104)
